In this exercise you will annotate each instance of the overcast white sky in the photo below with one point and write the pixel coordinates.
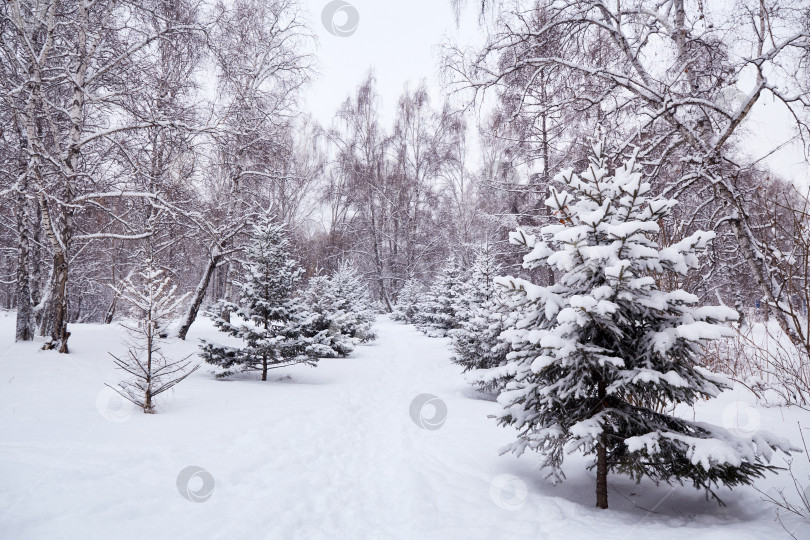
(399, 40)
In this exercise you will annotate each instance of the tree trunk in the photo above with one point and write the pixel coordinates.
(601, 458)
(197, 299)
(57, 311)
(54, 317)
(227, 292)
(35, 283)
(60, 240)
(761, 270)
(27, 293)
(25, 313)
(148, 407)
(378, 263)
(108, 316)
(25, 309)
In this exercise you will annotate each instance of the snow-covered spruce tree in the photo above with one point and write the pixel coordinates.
(269, 318)
(595, 352)
(354, 307)
(153, 302)
(436, 315)
(339, 306)
(408, 299)
(477, 345)
(483, 314)
(479, 285)
(322, 314)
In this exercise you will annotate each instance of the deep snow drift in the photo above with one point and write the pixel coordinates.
(326, 452)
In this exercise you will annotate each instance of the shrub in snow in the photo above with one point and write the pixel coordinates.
(436, 314)
(593, 354)
(153, 302)
(270, 320)
(408, 299)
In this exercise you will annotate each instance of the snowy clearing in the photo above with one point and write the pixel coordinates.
(326, 452)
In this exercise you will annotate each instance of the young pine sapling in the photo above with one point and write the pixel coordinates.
(151, 295)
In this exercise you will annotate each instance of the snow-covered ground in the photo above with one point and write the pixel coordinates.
(326, 452)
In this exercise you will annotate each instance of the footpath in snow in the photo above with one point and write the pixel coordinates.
(326, 452)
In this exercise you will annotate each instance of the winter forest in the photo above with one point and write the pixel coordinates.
(372, 269)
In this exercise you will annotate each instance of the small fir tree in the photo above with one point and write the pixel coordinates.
(340, 305)
(354, 307)
(323, 316)
(269, 318)
(479, 285)
(151, 297)
(408, 299)
(437, 315)
(594, 353)
(483, 315)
